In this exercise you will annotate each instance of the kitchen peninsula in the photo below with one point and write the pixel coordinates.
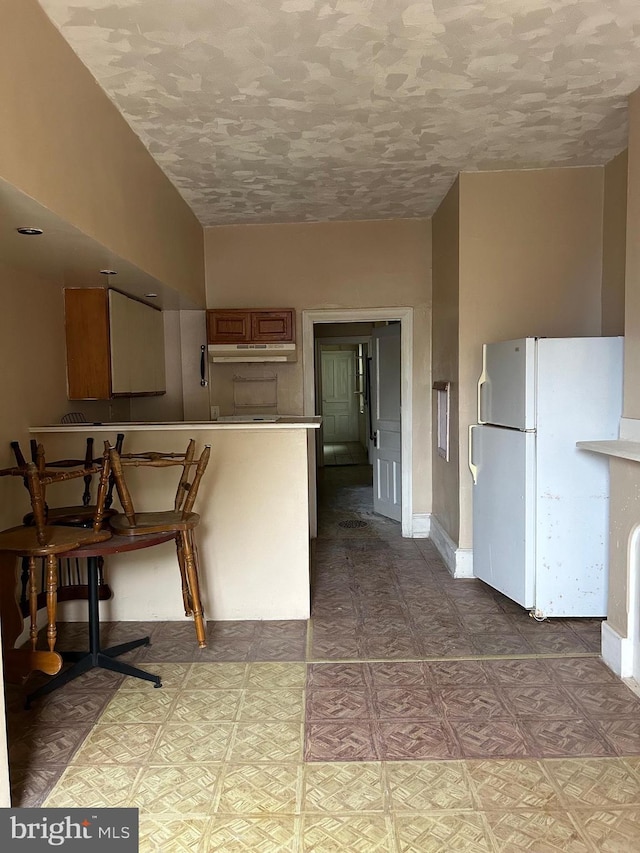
(254, 503)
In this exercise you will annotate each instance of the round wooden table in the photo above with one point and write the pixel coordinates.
(83, 661)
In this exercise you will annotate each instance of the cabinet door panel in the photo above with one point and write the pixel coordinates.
(137, 346)
(121, 330)
(228, 327)
(87, 339)
(271, 326)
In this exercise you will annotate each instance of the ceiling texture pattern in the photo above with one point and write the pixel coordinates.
(303, 110)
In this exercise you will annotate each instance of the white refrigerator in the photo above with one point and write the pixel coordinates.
(540, 505)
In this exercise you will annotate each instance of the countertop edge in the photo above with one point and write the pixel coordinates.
(620, 448)
(303, 423)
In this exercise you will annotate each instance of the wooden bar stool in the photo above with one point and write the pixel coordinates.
(48, 541)
(181, 520)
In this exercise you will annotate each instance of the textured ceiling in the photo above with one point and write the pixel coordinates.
(300, 110)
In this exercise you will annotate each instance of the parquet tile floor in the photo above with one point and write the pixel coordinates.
(413, 713)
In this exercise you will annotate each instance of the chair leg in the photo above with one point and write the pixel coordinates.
(186, 594)
(191, 569)
(52, 600)
(33, 603)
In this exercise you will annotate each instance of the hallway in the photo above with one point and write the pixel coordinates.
(414, 713)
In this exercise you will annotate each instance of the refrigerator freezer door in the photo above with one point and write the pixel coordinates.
(504, 511)
(506, 390)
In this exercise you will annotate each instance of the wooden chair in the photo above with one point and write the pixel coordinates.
(49, 541)
(72, 573)
(181, 520)
(77, 515)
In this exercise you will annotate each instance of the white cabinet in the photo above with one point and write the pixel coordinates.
(115, 345)
(137, 346)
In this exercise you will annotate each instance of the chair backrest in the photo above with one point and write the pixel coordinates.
(37, 480)
(73, 418)
(188, 485)
(39, 459)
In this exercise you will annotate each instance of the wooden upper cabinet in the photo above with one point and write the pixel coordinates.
(115, 345)
(87, 336)
(231, 326)
(240, 326)
(272, 326)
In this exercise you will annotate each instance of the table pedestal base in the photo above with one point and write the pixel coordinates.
(95, 657)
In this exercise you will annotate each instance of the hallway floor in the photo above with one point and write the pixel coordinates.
(413, 713)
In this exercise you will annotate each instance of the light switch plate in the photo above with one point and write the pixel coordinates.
(215, 413)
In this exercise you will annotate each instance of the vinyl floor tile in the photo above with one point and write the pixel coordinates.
(508, 785)
(188, 789)
(612, 831)
(101, 787)
(532, 831)
(337, 787)
(118, 744)
(197, 743)
(267, 741)
(245, 834)
(598, 782)
(261, 789)
(172, 834)
(418, 786)
(364, 833)
(443, 832)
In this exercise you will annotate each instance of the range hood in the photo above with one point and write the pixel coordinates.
(252, 352)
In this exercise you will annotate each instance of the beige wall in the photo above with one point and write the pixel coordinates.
(614, 219)
(530, 264)
(329, 265)
(33, 380)
(65, 145)
(446, 480)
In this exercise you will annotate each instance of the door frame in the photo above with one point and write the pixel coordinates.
(369, 315)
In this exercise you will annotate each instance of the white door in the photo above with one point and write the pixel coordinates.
(506, 388)
(339, 400)
(385, 393)
(504, 511)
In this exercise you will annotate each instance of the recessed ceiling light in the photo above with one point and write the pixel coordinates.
(29, 230)
(108, 272)
(151, 295)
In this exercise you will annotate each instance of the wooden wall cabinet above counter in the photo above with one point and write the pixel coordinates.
(259, 325)
(115, 345)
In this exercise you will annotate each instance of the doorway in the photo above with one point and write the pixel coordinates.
(403, 316)
(342, 394)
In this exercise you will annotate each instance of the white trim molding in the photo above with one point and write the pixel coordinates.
(421, 525)
(459, 561)
(630, 429)
(617, 651)
(367, 315)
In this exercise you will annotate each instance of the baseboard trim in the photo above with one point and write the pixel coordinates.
(617, 651)
(420, 525)
(459, 561)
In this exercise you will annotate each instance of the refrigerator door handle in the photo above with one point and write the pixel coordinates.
(481, 382)
(473, 468)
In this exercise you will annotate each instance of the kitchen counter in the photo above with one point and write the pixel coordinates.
(257, 508)
(243, 422)
(622, 448)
